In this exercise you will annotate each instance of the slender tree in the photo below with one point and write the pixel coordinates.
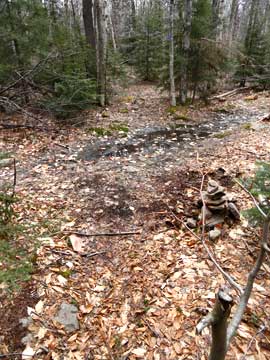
(172, 83)
(187, 17)
(101, 49)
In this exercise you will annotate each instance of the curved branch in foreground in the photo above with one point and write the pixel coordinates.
(250, 281)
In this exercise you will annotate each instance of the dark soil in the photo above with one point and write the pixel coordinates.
(11, 312)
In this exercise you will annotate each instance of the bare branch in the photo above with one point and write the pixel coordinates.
(252, 197)
(250, 281)
(227, 277)
(205, 322)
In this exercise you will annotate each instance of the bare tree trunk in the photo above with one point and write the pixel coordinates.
(172, 83)
(217, 15)
(232, 24)
(187, 17)
(88, 21)
(101, 49)
(112, 33)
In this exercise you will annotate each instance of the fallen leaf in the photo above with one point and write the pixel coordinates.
(77, 243)
(139, 352)
(28, 353)
(39, 307)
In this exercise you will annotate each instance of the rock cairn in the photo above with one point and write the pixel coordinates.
(218, 206)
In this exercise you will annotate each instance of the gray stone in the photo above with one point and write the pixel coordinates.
(216, 202)
(67, 316)
(192, 223)
(27, 339)
(214, 235)
(6, 162)
(215, 219)
(233, 211)
(25, 322)
(212, 186)
(221, 207)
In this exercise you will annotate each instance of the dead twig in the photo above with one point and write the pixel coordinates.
(9, 355)
(262, 329)
(94, 254)
(103, 234)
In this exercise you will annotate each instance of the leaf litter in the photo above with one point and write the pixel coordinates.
(140, 296)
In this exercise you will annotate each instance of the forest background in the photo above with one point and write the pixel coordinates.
(64, 56)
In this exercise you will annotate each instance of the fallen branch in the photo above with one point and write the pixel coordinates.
(5, 100)
(24, 76)
(229, 93)
(94, 254)
(103, 234)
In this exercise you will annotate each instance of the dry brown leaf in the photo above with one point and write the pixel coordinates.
(77, 243)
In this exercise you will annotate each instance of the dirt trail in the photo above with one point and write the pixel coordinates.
(137, 296)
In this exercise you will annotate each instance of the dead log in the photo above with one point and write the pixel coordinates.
(229, 93)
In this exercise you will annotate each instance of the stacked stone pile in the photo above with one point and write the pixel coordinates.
(218, 205)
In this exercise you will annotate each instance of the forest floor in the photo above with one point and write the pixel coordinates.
(134, 167)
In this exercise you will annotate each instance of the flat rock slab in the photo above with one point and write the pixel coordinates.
(67, 316)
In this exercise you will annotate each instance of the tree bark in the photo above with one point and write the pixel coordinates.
(220, 314)
(218, 319)
(217, 15)
(187, 17)
(233, 22)
(88, 21)
(172, 83)
(101, 49)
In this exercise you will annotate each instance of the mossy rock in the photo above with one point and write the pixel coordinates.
(172, 110)
(127, 99)
(182, 117)
(119, 127)
(105, 114)
(247, 126)
(100, 131)
(223, 134)
(223, 110)
(123, 111)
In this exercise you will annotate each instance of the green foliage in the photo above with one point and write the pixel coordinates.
(207, 60)
(46, 40)
(71, 94)
(253, 64)
(259, 186)
(7, 200)
(15, 264)
(144, 48)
